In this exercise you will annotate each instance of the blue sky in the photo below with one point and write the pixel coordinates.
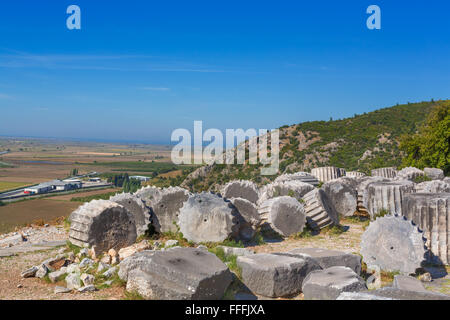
(139, 69)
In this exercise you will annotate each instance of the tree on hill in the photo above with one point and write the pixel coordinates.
(430, 146)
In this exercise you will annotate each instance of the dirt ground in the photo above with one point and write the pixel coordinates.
(12, 286)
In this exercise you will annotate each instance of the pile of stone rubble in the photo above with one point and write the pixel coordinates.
(410, 226)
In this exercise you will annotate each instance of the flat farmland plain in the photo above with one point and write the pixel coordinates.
(35, 161)
(22, 213)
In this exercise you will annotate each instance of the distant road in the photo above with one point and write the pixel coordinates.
(16, 194)
(3, 152)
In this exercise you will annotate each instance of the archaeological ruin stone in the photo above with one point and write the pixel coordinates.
(325, 174)
(148, 194)
(166, 208)
(206, 217)
(399, 294)
(248, 211)
(285, 215)
(102, 223)
(137, 247)
(410, 173)
(304, 177)
(176, 274)
(386, 196)
(320, 212)
(343, 196)
(328, 258)
(29, 273)
(354, 174)
(431, 213)
(235, 251)
(389, 172)
(241, 189)
(137, 208)
(293, 188)
(73, 281)
(361, 187)
(435, 186)
(434, 173)
(329, 283)
(249, 218)
(274, 275)
(408, 283)
(361, 296)
(393, 244)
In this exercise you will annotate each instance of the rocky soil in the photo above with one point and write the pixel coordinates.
(13, 286)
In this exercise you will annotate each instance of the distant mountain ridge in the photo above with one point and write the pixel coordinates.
(363, 142)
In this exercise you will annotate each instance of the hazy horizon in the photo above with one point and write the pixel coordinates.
(137, 72)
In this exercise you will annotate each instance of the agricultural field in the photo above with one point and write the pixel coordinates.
(22, 213)
(7, 185)
(33, 161)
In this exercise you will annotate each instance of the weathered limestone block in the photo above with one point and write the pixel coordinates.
(393, 244)
(361, 186)
(329, 283)
(410, 173)
(328, 258)
(29, 273)
(431, 213)
(342, 195)
(408, 283)
(274, 275)
(434, 173)
(148, 194)
(206, 217)
(399, 294)
(320, 212)
(236, 251)
(355, 174)
(361, 296)
(298, 176)
(435, 186)
(247, 210)
(137, 247)
(293, 188)
(325, 174)
(241, 189)
(389, 172)
(55, 276)
(176, 274)
(137, 208)
(73, 281)
(388, 196)
(285, 215)
(249, 218)
(102, 223)
(166, 208)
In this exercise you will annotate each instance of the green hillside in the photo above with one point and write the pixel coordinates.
(363, 142)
